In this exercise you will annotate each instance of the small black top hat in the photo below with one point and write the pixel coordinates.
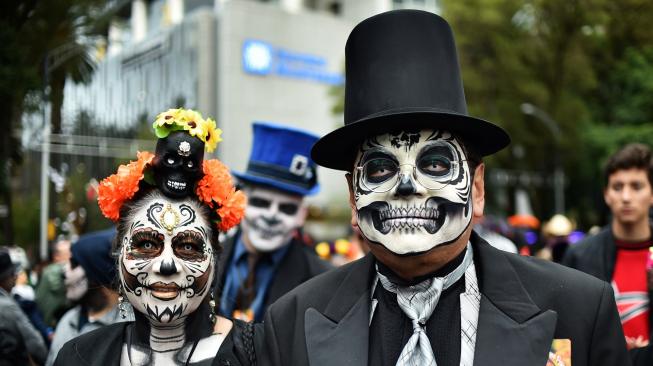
(402, 72)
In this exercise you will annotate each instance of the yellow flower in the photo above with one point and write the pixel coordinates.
(213, 135)
(194, 123)
(191, 122)
(168, 117)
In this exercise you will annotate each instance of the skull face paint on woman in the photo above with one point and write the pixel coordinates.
(166, 259)
(271, 217)
(412, 190)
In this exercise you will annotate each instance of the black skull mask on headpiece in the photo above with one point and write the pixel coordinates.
(178, 163)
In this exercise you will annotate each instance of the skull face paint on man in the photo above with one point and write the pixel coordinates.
(412, 190)
(271, 217)
(166, 259)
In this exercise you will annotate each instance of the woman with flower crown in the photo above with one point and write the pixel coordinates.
(169, 207)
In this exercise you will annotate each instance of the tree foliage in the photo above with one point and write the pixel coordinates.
(42, 43)
(586, 63)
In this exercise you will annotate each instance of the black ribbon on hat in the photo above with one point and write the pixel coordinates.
(264, 170)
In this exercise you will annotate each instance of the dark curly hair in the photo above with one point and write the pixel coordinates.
(631, 156)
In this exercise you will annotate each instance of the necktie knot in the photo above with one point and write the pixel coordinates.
(418, 325)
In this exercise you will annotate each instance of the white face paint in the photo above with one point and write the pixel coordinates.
(75, 281)
(271, 218)
(166, 259)
(412, 190)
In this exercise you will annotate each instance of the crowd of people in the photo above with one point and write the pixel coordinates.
(209, 266)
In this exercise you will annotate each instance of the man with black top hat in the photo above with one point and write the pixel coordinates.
(431, 291)
(20, 342)
(267, 257)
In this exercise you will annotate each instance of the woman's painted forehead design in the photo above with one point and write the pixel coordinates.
(169, 217)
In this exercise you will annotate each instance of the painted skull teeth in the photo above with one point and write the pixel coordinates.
(428, 218)
(426, 213)
(176, 185)
(265, 232)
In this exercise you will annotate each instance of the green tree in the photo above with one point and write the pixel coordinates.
(42, 43)
(586, 63)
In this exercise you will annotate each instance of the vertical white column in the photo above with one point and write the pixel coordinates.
(293, 6)
(45, 179)
(115, 38)
(139, 20)
(175, 11)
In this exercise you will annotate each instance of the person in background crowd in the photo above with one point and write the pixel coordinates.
(432, 291)
(556, 236)
(20, 342)
(342, 251)
(619, 253)
(266, 258)
(50, 290)
(489, 228)
(90, 280)
(24, 294)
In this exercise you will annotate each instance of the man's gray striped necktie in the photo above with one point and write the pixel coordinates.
(418, 302)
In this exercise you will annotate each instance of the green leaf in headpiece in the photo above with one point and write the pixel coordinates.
(148, 177)
(161, 132)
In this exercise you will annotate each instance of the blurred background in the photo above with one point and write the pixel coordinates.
(82, 81)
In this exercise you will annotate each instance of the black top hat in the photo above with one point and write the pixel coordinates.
(402, 72)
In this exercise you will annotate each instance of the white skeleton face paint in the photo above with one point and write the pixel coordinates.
(166, 259)
(412, 190)
(75, 281)
(271, 218)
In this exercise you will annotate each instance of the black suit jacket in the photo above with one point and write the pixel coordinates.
(595, 255)
(103, 346)
(298, 265)
(525, 304)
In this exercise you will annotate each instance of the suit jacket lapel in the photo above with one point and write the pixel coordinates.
(512, 330)
(339, 335)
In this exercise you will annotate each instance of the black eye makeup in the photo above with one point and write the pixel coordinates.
(146, 243)
(259, 202)
(289, 208)
(188, 245)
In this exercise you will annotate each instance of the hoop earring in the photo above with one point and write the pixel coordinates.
(121, 304)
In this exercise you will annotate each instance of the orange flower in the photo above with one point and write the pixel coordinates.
(232, 210)
(114, 190)
(216, 190)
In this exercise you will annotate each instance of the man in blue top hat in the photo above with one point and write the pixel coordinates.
(431, 291)
(266, 257)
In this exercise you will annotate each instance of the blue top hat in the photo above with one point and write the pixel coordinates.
(281, 159)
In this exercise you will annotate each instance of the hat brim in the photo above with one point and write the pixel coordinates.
(337, 150)
(276, 184)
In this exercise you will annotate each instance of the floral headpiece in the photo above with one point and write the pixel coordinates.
(191, 121)
(215, 188)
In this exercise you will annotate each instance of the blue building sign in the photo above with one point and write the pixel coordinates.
(261, 58)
